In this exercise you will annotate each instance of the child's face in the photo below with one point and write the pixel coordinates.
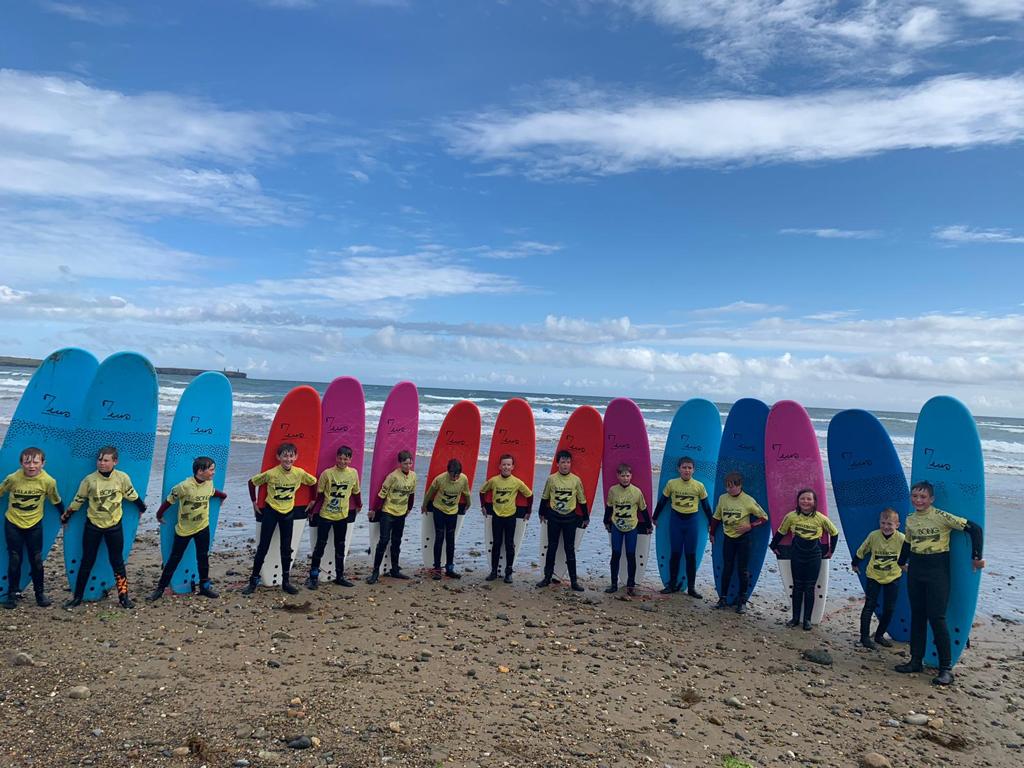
(105, 463)
(206, 475)
(806, 502)
(921, 499)
(342, 461)
(454, 474)
(888, 524)
(625, 477)
(32, 465)
(734, 489)
(565, 465)
(505, 467)
(405, 465)
(686, 470)
(287, 459)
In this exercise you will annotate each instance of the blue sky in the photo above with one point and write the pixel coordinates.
(718, 198)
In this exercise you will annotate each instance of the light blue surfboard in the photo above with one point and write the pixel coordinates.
(46, 417)
(696, 432)
(867, 477)
(201, 427)
(947, 453)
(120, 409)
(742, 450)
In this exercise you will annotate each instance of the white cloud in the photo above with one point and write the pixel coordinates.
(519, 250)
(829, 233)
(963, 234)
(359, 176)
(922, 27)
(736, 307)
(94, 13)
(626, 135)
(1000, 10)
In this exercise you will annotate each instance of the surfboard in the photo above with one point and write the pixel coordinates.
(396, 431)
(742, 450)
(343, 422)
(792, 462)
(48, 412)
(867, 477)
(696, 431)
(583, 437)
(120, 409)
(514, 433)
(201, 427)
(297, 421)
(458, 438)
(947, 453)
(626, 442)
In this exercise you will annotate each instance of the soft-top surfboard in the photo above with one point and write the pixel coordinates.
(583, 437)
(120, 409)
(297, 421)
(793, 462)
(458, 438)
(867, 477)
(396, 431)
(201, 427)
(696, 431)
(47, 415)
(742, 450)
(343, 422)
(626, 442)
(947, 453)
(514, 433)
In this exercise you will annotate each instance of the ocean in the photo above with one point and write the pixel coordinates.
(256, 400)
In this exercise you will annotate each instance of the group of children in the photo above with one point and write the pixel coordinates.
(886, 554)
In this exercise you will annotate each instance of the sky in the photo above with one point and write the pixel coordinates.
(801, 199)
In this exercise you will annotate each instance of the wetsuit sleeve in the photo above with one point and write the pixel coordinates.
(607, 520)
(412, 499)
(355, 501)
(776, 539)
(59, 506)
(977, 539)
(832, 542)
(661, 505)
(252, 489)
(713, 524)
(904, 553)
(219, 494)
(164, 506)
(544, 507)
(706, 507)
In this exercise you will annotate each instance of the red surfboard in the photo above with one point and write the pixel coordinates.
(514, 433)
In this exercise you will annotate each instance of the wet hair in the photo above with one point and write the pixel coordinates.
(923, 485)
(888, 513)
(284, 448)
(108, 450)
(454, 465)
(201, 464)
(344, 451)
(623, 467)
(508, 456)
(403, 455)
(734, 478)
(563, 454)
(31, 453)
(801, 492)
(685, 460)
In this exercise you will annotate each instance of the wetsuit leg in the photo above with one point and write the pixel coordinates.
(286, 525)
(114, 537)
(14, 547)
(397, 529)
(386, 522)
(450, 522)
(806, 564)
(497, 539)
(510, 541)
(890, 593)
(743, 566)
(340, 532)
(728, 563)
(202, 542)
(268, 523)
(630, 539)
(617, 538)
(677, 535)
(440, 531)
(91, 538)
(323, 532)
(177, 552)
(554, 531)
(936, 604)
(917, 591)
(871, 591)
(690, 547)
(569, 528)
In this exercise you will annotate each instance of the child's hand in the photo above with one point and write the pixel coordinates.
(775, 551)
(608, 527)
(742, 527)
(977, 564)
(855, 568)
(65, 517)
(582, 522)
(424, 510)
(904, 567)
(371, 515)
(159, 517)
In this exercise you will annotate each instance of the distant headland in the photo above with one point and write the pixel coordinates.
(31, 362)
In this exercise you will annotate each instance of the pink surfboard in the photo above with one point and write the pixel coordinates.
(792, 462)
(625, 442)
(396, 431)
(343, 412)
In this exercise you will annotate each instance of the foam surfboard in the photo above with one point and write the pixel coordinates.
(583, 437)
(867, 477)
(343, 422)
(514, 433)
(120, 409)
(458, 438)
(297, 421)
(696, 431)
(947, 453)
(742, 450)
(626, 442)
(396, 431)
(201, 427)
(792, 462)
(48, 412)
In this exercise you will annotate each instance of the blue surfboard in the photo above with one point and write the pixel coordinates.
(201, 427)
(696, 432)
(867, 477)
(742, 451)
(46, 418)
(947, 453)
(120, 410)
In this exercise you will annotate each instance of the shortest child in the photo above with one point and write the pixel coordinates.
(625, 517)
(338, 501)
(29, 488)
(504, 488)
(446, 498)
(390, 509)
(738, 513)
(192, 496)
(882, 548)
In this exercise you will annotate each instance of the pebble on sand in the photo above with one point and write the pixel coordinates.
(79, 692)
(874, 760)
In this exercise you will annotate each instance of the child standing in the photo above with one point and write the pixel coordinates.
(338, 501)
(504, 488)
(193, 499)
(882, 549)
(687, 496)
(738, 513)
(393, 503)
(446, 498)
(625, 517)
(282, 483)
(29, 488)
(103, 491)
(925, 554)
(563, 506)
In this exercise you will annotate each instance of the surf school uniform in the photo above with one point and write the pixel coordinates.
(625, 514)
(446, 500)
(687, 497)
(104, 495)
(23, 525)
(926, 553)
(805, 555)
(882, 577)
(562, 497)
(734, 513)
(277, 513)
(395, 499)
(341, 492)
(503, 512)
(193, 500)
